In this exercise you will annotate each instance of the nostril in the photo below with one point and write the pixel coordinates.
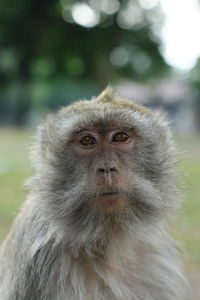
(106, 170)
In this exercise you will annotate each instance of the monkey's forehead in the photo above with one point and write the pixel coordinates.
(107, 103)
(99, 104)
(103, 116)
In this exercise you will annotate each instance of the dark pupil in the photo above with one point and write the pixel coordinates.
(120, 137)
(87, 140)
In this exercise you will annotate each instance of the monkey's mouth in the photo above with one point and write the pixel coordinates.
(109, 193)
(110, 201)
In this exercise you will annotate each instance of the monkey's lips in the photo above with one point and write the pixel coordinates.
(110, 201)
(109, 193)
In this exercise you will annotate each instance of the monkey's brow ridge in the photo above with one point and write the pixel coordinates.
(83, 129)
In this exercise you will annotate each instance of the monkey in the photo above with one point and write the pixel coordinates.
(95, 224)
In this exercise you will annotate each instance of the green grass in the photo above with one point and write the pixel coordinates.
(188, 223)
(15, 167)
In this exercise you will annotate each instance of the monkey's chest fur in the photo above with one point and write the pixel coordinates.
(124, 272)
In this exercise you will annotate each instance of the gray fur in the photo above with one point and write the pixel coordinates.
(59, 248)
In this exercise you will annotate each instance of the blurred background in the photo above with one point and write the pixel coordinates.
(57, 51)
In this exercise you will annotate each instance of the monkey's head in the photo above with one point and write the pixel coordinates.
(105, 159)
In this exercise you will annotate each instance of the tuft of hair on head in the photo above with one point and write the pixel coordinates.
(106, 96)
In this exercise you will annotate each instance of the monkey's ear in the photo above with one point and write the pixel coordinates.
(106, 96)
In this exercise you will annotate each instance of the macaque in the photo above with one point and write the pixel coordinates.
(95, 222)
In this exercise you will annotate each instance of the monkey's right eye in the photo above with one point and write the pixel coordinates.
(88, 141)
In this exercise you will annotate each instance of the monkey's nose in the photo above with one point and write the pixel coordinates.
(106, 170)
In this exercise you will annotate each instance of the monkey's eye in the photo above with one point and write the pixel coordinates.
(88, 141)
(120, 137)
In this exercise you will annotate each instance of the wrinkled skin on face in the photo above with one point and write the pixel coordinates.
(105, 153)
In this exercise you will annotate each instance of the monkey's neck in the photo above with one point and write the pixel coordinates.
(97, 240)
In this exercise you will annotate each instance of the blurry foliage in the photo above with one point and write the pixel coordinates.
(195, 75)
(47, 56)
(195, 81)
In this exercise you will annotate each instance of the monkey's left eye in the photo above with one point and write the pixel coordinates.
(88, 141)
(120, 137)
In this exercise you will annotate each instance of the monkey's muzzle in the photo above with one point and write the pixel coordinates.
(110, 201)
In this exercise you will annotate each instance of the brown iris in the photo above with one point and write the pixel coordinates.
(120, 137)
(88, 141)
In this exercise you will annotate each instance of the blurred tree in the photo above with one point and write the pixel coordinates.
(45, 44)
(195, 81)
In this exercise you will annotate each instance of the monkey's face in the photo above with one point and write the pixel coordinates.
(98, 159)
(105, 155)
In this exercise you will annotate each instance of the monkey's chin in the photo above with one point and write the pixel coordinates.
(110, 203)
